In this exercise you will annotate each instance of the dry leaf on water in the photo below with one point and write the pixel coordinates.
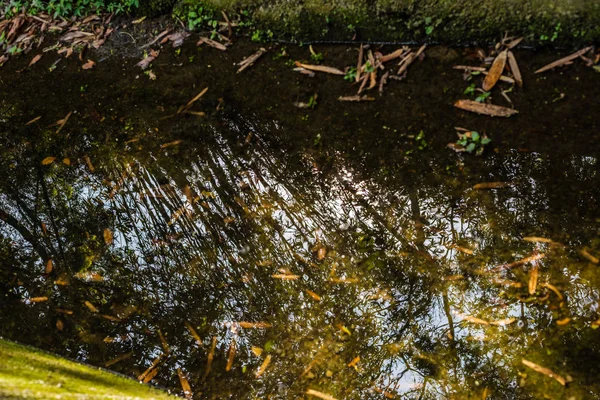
(90, 306)
(514, 68)
(108, 236)
(533, 279)
(313, 295)
(495, 71)
(564, 61)
(33, 120)
(248, 61)
(35, 59)
(60, 325)
(185, 384)
(88, 65)
(320, 68)
(485, 109)
(545, 371)
(263, 366)
(320, 395)
(534, 257)
(285, 277)
(255, 325)
(231, 356)
(211, 355)
(49, 266)
(48, 160)
(39, 299)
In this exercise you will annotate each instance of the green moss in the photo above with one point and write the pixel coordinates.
(26, 373)
(560, 22)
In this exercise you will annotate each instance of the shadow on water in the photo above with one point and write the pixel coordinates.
(363, 268)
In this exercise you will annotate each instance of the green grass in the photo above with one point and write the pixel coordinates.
(26, 373)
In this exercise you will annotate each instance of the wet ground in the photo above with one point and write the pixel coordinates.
(263, 250)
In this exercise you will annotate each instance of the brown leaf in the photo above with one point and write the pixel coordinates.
(211, 43)
(194, 333)
(39, 299)
(209, 360)
(313, 295)
(491, 185)
(495, 71)
(170, 144)
(49, 266)
(185, 384)
(35, 59)
(231, 355)
(564, 60)
(118, 358)
(33, 120)
(321, 253)
(534, 257)
(545, 371)
(485, 109)
(255, 325)
(533, 279)
(108, 236)
(147, 60)
(192, 101)
(514, 68)
(48, 160)
(248, 61)
(66, 161)
(588, 256)
(263, 366)
(320, 395)
(285, 277)
(90, 306)
(320, 68)
(60, 325)
(356, 98)
(88, 65)
(151, 372)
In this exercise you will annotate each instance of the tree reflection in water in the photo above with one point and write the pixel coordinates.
(395, 294)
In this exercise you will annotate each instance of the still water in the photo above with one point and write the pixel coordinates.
(263, 251)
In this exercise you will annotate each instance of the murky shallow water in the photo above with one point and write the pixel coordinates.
(357, 261)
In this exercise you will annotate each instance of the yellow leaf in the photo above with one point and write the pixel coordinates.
(49, 266)
(108, 237)
(48, 160)
(66, 161)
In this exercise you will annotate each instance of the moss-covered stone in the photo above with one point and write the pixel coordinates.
(26, 373)
(558, 22)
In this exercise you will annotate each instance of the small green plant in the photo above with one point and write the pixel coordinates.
(350, 74)
(482, 97)
(281, 53)
(261, 36)
(316, 57)
(369, 68)
(420, 140)
(312, 102)
(470, 89)
(470, 141)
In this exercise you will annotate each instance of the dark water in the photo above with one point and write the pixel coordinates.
(393, 251)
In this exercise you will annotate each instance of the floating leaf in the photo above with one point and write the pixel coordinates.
(320, 395)
(49, 266)
(545, 371)
(88, 65)
(231, 356)
(495, 71)
(90, 306)
(263, 366)
(60, 325)
(48, 160)
(185, 384)
(108, 236)
(255, 325)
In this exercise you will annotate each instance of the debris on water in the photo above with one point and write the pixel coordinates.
(176, 38)
(89, 276)
(194, 333)
(257, 351)
(48, 160)
(485, 109)
(533, 279)
(88, 65)
(473, 320)
(313, 295)
(185, 384)
(553, 289)
(157, 38)
(491, 185)
(320, 395)
(514, 68)
(285, 277)
(356, 98)
(588, 256)
(231, 355)
(409, 59)
(263, 366)
(163, 342)
(148, 59)
(108, 236)
(209, 360)
(90, 306)
(49, 266)
(354, 362)
(305, 72)
(151, 372)
(545, 371)
(33, 120)
(255, 325)
(564, 61)
(320, 68)
(537, 239)
(34, 60)
(533, 257)
(115, 360)
(563, 322)
(61, 122)
(250, 60)
(211, 43)
(495, 71)
(39, 299)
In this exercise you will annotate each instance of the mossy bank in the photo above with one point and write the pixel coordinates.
(26, 373)
(557, 22)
